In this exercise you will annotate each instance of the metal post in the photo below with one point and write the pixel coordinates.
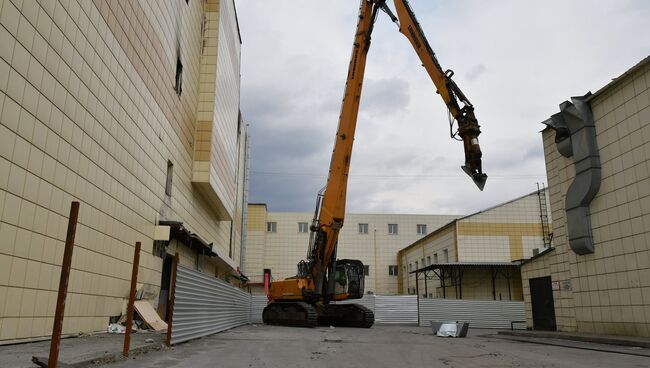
(442, 281)
(170, 307)
(494, 273)
(63, 286)
(426, 288)
(129, 313)
(460, 282)
(417, 293)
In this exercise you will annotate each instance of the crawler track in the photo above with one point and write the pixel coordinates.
(297, 314)
(347, 315)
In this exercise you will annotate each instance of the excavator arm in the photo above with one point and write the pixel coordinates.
(468, 128)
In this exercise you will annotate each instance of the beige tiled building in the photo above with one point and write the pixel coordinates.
(467, 252)
(597, 278)
(279, 240)
(132, 108)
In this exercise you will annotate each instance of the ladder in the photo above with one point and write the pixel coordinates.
(547, 235)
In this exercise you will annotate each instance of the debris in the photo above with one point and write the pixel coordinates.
(149, 340)
(116, 328)
(149, 315)
(450, 329)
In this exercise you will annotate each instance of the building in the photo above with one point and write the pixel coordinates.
(279, 240)
(132, 109)
(477, 256)
(596, 279)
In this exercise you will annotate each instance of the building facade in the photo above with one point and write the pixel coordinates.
(472, 257)
(597, 150)
(132, 109)
(279, 240)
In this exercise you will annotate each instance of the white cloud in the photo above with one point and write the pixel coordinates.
(515, 60)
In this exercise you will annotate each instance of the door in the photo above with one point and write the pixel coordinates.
(541, 295)
(165, 281)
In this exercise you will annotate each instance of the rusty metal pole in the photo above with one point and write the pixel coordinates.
(129, 311)
(63, 286)
(170, 307)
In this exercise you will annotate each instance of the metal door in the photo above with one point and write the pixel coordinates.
(541, 295)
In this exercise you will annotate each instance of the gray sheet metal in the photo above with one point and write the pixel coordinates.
(396, 310)
(205, 305)
(479, 313)
(258, 302)
(367, 301)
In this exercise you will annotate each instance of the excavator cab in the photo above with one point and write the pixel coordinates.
(349, 279)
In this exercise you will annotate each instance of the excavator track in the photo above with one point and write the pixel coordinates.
(346, 315)
(296, 314)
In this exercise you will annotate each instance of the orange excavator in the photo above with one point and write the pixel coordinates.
(306, 299)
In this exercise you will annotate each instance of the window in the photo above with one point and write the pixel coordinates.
(179, 75)
(366, 270)
(410, 267)
(417, 267)
(428, 260)
(271, 227)
(421, 229)
(392, 229)
(422, 262)
(363, 228)
(302, 227)
(393, 270)
(170, 175)
(435, 258)
(445, 255)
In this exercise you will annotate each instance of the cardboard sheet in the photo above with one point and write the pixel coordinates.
(149, 315)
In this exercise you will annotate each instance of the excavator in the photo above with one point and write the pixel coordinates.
(309, 298)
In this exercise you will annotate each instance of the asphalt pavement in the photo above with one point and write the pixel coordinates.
(380, 346)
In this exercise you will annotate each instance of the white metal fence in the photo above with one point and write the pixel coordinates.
(258, 302)
(205, 305)
(367, 301)
(396, 309)
(479, 313)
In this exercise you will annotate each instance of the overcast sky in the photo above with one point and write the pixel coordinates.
(515, 60)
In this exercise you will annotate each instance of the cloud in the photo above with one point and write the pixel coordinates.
(515, 69)
(386, 96)
(475, 72)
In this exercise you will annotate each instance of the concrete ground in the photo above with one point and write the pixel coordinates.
(85, 350)
(381, 346)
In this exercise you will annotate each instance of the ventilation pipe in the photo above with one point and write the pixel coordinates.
(575, 136)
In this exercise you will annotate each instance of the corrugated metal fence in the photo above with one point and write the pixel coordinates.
(396, 310)
(479, 313)
(367, 301)
(258, 302)
(205, 305)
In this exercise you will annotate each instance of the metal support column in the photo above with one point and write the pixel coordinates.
(172, 293)
(426, 287)
(63, 286)
(129, 312)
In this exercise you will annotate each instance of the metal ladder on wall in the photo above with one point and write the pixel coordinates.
(547, 235)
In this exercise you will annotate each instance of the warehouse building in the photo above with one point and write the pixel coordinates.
(132, 109)
(279, 240)
(478, 256)
(596, 279)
